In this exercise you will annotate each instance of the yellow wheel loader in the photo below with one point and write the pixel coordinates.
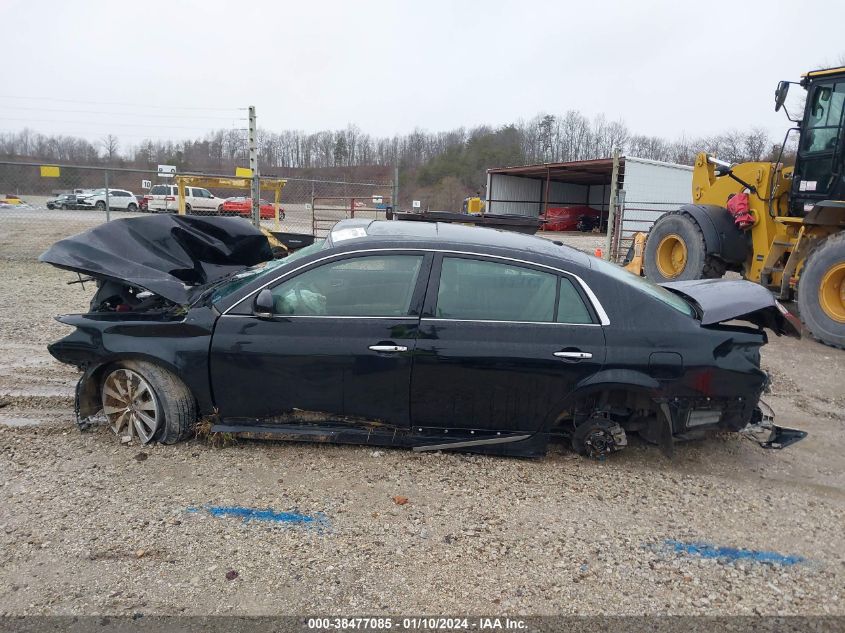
(782, 227)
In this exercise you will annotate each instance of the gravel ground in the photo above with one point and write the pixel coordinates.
(88, 526)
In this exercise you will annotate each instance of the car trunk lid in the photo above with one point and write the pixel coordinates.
(719, 300)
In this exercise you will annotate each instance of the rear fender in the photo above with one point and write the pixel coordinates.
(606, 380)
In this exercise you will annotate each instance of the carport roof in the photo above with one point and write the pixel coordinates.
(581, 172)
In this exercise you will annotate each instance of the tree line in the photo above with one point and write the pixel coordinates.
(440, 167)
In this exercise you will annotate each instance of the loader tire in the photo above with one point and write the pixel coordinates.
(821, 291)
(676, 251)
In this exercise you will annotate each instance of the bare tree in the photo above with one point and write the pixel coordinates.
(110, 145)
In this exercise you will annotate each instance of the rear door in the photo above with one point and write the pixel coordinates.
(157, 195)
(340, 342)
(500, 342)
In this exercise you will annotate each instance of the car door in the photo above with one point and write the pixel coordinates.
(340, 341)
(123, 199)
(500, 343)
(204, 200)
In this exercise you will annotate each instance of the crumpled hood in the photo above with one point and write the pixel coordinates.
(721, 300)
(173, 256)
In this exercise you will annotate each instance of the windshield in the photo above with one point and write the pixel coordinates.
(245, 276)
(643, 285)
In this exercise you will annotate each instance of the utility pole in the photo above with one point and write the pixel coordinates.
(255, 189)
(108, 205)
(395, 202)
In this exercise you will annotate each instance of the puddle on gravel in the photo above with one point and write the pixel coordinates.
(7, 420)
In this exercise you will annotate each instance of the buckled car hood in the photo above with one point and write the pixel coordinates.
(719, 300)
(174, 256)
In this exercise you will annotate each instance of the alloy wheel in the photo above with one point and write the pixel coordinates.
(131, 406)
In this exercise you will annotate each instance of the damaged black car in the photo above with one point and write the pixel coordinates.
(431, 336)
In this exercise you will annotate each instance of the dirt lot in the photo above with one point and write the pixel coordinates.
(90, 526)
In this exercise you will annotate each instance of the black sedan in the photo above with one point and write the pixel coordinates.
(64, 201)
(425, 335)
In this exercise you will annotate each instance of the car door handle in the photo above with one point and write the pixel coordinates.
(388, 348)
(574, 355)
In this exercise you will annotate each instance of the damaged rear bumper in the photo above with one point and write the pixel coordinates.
(763, 430)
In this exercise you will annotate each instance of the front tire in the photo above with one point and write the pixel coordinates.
(675, 251)
(101, 206)
(146, 402)
(821, 291)
(132, 208)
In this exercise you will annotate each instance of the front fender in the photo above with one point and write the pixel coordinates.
(721, 236)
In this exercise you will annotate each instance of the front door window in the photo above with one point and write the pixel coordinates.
(374, 286)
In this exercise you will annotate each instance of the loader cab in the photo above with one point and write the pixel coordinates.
(819, 173)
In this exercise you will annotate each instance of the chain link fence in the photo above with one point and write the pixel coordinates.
(73, 198)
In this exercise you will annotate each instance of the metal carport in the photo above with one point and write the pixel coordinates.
(640, 192)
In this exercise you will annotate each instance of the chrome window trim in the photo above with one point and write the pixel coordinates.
(597, 306)
(324, 316)
(507, 321)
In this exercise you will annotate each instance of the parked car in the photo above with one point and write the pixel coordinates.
(431, 336)
(11, 200)
(142, 202)
(589, 222)
(569, 218)
(243, 206)
(63, 201)
(165, 198)
(118, 199)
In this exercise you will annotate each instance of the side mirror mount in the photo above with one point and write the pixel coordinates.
(780, 94)
(264, 304)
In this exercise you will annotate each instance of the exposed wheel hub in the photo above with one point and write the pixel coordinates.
(598, 437)
(131, 406)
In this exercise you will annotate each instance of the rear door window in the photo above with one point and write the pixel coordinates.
(479, 290)
(159, 190)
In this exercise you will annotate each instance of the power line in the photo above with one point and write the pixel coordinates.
(116, 103)
(88, 134)
(110, 125)
(143, 114)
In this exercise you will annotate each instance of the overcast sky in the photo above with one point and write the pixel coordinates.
(139, 69)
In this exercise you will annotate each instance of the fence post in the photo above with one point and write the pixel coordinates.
(108, 208)
(253, 165)
(611, 208)
(395, 200)
(313, 213)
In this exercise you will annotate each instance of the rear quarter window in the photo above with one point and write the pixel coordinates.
(642, 285)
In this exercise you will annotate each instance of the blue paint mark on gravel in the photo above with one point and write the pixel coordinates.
(318, 520)
(731, 554)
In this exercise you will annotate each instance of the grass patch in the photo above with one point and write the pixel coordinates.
(203, 432)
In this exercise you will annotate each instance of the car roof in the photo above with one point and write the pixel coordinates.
(443, 233)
